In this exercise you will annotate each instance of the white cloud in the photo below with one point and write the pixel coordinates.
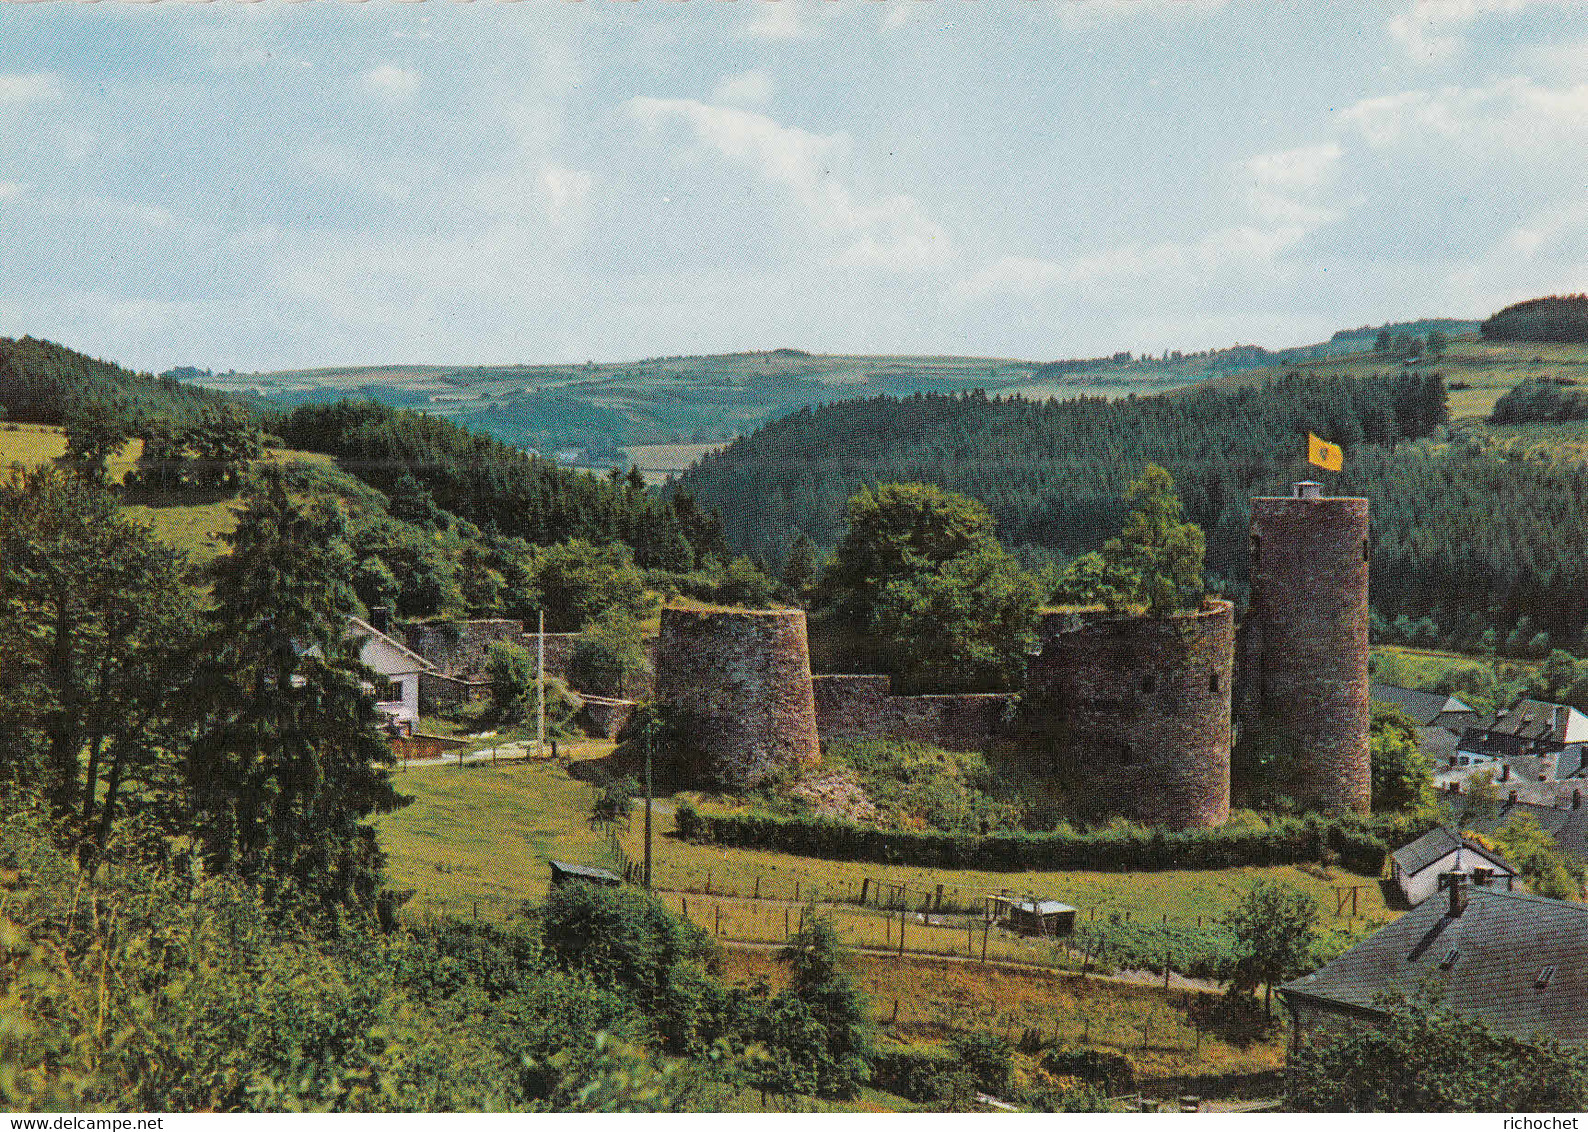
(1512, 117)
(11, 189)
(886, 230)
(1433, 30)
(391, 80)
(776, 19)
(1168, 264)
(749, 88)
(21, 89)
(567, 193)
(1294, 186)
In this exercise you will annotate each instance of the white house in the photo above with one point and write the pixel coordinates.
(397, 665)
(1416, 868)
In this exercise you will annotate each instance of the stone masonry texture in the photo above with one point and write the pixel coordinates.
(738, 684)
(863, 707)
(1305, 644)
(1132, 714)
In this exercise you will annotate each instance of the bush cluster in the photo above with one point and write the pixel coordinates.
(1359, 843)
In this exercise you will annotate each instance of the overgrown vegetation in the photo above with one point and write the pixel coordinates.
(919, 786)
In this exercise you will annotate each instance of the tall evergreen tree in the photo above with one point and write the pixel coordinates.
(289, 760)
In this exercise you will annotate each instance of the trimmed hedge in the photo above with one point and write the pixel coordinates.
(1359, 843)
(918, 1073)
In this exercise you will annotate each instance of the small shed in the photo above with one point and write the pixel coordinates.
(563, 873)
(1030, 916)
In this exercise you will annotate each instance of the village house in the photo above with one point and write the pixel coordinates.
(1517, 962)
(398, 669)
(1441, 719)
(1416, 868)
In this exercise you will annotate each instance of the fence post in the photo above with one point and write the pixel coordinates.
(865, 889)
(797, 895)
(785, 923)
(708, 882)
(758, 887)
(986, 924)
(938, 906)
(716, 927)
(902, 914)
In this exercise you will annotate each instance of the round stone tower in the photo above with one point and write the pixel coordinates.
(736, 684)
(1305, 643)
(1134, 713)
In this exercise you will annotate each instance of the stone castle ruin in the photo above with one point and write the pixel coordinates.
(1126, 716)
(1129, 715)
(736, 687)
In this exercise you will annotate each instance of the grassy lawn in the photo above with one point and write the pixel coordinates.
(194, 528)
(485, 833)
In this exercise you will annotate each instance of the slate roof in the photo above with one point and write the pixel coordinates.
(1424, 707)
(1539, 719)
(1568, 827)
(1417, 855)
(587, 872)
(1487, 962)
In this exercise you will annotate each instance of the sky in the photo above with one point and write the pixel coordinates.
(273, 185)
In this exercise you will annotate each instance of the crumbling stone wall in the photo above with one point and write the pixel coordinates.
(459, 648)
(1304, 647)
(863, 707)
(737, 684)
(1131, 715)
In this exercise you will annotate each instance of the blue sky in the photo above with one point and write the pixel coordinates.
(258, 186)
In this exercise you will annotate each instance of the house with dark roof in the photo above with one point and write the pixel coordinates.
(1427, 709)
(1566, 824)
(1416, 868)
(1517, 962)
(1441, 719)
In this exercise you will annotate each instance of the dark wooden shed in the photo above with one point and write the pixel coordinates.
(563, 873)
(1030, 916)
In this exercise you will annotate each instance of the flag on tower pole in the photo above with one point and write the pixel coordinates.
(1329, 457)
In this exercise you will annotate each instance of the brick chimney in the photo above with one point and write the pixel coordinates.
(1458, 892)
(1505, 772)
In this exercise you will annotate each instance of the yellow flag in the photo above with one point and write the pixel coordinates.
(1327, 456)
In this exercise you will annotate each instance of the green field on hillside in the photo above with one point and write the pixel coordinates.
(192, 527)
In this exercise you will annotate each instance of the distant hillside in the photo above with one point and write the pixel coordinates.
(591, 414)
(40, 380)
(1558, 318)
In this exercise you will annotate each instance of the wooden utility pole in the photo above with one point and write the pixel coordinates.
(540, 696)
(648, 814)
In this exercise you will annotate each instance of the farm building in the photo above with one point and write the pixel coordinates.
(1517, 962)
(1030, 916)
(1416, 868)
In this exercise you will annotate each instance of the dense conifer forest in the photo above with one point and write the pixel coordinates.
(41, 382)
(1470, 538)
(1557, 318)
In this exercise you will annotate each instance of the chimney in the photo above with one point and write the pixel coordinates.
(1306, 489)
(1505, 772)
(1458, 893)
(380, 617)
(1510, 799)
(1576, 799)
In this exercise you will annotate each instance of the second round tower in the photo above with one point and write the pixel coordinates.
(1305, 644)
